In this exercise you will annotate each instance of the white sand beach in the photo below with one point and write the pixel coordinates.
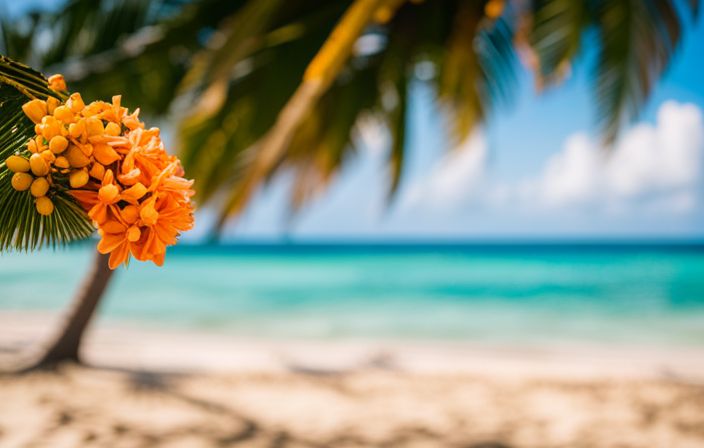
(171, 389)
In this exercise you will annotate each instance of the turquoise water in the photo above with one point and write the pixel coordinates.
(503, 294)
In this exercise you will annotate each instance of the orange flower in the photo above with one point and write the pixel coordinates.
(142, 202)
(164, 218)
(120, 241)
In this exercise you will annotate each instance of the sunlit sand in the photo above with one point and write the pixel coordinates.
(148, 388)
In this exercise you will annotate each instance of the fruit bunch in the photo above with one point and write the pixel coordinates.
(57, 151)
(117, 170)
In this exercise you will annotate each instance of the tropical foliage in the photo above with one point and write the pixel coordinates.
(21, 227)
(259, 87)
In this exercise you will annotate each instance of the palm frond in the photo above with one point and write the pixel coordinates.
(478, 70)
(255, 100)
(323, 142)
(636, 41)
(225, 156)
(556, 37)
(319, 75)
(394, 80)
(138, 48)
(109, 47)
(21, 226)
(397, 118)
(16, 35)
(238, 38)
(213, 146)
(88, 27)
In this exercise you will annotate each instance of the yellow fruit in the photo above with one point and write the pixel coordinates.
(75, 103)
(61, 162)
(51, 105)
(45, 206)
(35, 110)
(113, 129)
(39, 187)
(21, 181)
(38, 165)
(48, 156)
(93, 109)
(76, 129)
(51, 129)
(39, 140)
(17, 164)
(64, 114)
(95, 126)
(78, 178)
(76, 157)
(58, 144)
(32, 146)
(57, 82)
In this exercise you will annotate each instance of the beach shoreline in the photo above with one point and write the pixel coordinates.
(24, 333)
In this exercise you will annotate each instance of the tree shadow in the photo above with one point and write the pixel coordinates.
(239, 428)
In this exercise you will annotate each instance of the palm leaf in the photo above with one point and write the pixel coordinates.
(216, 145)
(88, 27)
(213, 146)
(21, 226)
(478, 70)
(138, 48)
(240, 36)
(223, 149)
(394, 82)
(323, 142)
(319, 75)
(108, 47)
(16, 35)
(635, 40)
(558, 26)
(636, 43)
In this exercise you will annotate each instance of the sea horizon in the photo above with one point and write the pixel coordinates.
(532, 293)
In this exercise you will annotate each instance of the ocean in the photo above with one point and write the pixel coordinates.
(647, 295)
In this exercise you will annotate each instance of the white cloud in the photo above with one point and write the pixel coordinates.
(572, 175)
(454, 179)
(651, 168)
(659, 163)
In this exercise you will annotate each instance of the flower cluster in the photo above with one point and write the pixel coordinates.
(117, 170)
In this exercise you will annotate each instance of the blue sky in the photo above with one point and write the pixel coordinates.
(533, 172)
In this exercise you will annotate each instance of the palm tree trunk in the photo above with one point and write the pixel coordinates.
(66, 346)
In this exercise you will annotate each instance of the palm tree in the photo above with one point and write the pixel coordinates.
(259, 87)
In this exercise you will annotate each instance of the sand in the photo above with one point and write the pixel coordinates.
(161, 389)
